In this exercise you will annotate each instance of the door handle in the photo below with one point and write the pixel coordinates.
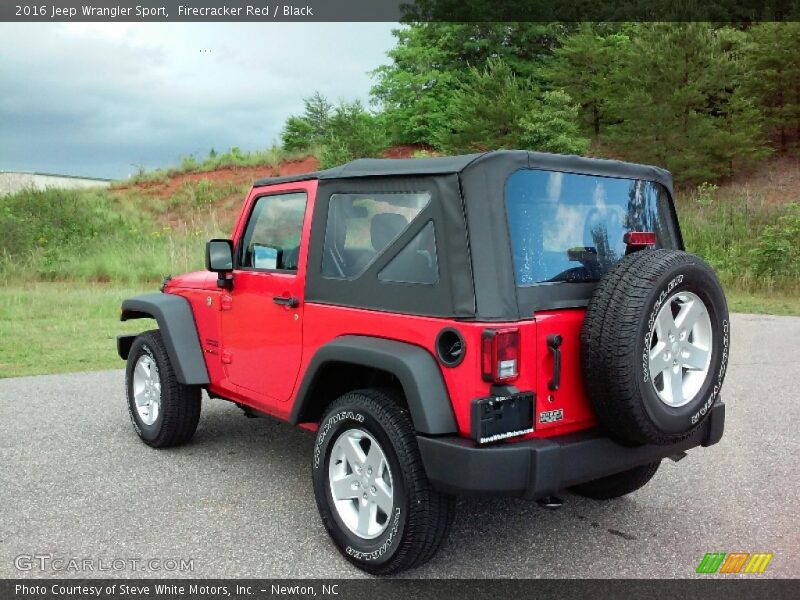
(290, 301)
(554, 344)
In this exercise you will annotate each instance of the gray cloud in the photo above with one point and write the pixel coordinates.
(96, 99)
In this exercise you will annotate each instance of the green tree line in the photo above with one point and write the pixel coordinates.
(700, 99)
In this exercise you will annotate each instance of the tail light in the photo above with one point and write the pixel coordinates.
(640, 239)
(500, 355)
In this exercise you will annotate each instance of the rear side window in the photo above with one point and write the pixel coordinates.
(570, 227)
(416, 262)
(271, 240)
(361, 226)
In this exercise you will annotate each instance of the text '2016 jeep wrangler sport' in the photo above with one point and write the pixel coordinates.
(510, 323)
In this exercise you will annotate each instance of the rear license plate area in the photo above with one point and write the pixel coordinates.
(501, 417)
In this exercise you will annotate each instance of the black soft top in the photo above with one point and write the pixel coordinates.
(476, 273)
(390, 167)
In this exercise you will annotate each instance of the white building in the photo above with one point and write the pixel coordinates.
(14, 181)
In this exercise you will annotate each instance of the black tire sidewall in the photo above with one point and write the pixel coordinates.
(139, 348)
(697, 278)
(364, 553)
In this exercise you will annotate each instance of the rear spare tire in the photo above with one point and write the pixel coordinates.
(654, 346)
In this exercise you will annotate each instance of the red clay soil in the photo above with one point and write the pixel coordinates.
(247, 175)
(232, 175)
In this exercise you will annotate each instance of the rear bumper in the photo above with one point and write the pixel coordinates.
(540, 467)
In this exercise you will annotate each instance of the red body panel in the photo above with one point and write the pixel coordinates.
(464, 382)
(257, 352)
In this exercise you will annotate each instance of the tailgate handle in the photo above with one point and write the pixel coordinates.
(554, 344)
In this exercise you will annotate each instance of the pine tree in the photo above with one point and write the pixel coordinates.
(317, 113)
(494, 108)
(553, 126)
(297, 134)
(586, 66)
(773, 77)
(306, 131)
(354, 129)
(485, 109)
(675, 100)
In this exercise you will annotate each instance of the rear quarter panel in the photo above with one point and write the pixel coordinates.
(464, 382)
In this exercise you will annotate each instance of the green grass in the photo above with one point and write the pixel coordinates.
(101, 237)
(62, 327)
(771, 304)
(754, 247)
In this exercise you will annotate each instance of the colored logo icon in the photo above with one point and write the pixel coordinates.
(734, 562)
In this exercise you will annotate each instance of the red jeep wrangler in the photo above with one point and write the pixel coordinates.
(510, 323)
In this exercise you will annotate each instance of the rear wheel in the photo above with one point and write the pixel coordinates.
(163, 411)
(618, 484)
(370, 485)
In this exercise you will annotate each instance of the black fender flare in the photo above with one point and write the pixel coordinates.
(178, 330)
(415, 368)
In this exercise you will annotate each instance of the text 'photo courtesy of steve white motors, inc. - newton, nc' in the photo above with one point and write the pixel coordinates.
(266, 11)
(193, 590)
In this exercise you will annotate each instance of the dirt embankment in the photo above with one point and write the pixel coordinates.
(228, 175)
(775, 181)
(237, 176)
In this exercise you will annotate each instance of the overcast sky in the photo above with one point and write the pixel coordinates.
(101, 99)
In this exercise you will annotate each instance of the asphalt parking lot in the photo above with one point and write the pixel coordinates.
(77, 483)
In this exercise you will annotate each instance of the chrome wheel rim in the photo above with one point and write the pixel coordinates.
(361, 483)
(147, 389)
(680, 349)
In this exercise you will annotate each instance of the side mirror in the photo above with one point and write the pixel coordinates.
(219, 256)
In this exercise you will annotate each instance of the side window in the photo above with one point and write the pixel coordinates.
(271, 239)
(361, 226)
(416, 262)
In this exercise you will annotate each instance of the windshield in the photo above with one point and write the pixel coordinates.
(570, 227)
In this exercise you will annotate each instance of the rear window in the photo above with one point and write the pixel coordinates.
(570, 227)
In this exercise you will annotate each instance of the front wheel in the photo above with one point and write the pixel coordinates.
(370, 485)
(163, 411)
